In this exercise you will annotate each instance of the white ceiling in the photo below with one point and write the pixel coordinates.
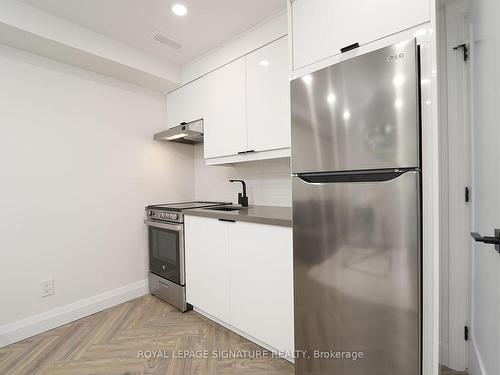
(208, 23)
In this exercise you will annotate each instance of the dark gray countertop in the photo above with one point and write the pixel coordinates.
(269, 215)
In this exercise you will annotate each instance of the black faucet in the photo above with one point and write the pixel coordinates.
(242, 198)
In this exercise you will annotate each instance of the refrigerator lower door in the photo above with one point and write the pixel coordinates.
(357, 276)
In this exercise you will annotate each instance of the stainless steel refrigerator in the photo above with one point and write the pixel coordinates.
(356, 215)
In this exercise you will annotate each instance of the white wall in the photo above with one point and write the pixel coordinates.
(484, 351)
(77, 165)
(268, 181)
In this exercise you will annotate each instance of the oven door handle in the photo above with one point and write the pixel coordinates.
(155, 224)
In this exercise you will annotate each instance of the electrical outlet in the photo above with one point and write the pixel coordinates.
(47, 287)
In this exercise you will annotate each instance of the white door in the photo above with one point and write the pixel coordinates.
(484, 351)
(455, 177)
(268, 97)
(207, 265)
(225, 110)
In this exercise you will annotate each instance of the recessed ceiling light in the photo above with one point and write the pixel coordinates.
(179, 9)
(264, 63)
(346, 115)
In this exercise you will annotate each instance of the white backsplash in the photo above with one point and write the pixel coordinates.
(268, 181)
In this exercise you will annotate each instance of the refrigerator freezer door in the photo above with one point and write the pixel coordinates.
(358, 114)
(357, 276)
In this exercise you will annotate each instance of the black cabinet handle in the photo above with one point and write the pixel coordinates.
(488, 240)
(246, 152)
(349, 48)
(228, 221)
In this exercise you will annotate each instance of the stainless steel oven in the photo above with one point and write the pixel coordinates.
(167, 274)
(166, 250)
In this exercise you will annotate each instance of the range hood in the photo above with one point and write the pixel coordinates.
(190, 133)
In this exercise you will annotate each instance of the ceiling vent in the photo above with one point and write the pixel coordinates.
(165, 40)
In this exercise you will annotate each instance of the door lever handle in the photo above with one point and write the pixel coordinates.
(488, 240)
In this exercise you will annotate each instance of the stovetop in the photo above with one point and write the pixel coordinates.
(184, 205)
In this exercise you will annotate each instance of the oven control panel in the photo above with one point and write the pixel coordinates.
(164, 215)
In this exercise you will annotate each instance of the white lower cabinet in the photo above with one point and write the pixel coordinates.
(242, 274)
(207, 265)
(261, 282)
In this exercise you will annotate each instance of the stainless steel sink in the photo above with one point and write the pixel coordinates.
(225, 208)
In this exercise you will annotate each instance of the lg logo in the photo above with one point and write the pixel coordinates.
(393, 58)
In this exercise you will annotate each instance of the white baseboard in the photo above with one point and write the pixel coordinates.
(36, 324)
(241, 333)
(475, 363)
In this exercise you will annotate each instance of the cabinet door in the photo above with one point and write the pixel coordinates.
(225, 111)
(315, 30)
(207, 265)
(186, 103)
(377, 19)
(268, 97)
(322, 27)
(261, 282)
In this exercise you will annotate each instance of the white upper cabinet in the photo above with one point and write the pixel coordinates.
(225, 111)
(313, 32)
(245, 106)
(268, 97)
(186, 103)
(322, 27)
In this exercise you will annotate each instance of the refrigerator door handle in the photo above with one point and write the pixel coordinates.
(380, 175)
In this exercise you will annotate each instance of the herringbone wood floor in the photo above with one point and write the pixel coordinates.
(109, 343)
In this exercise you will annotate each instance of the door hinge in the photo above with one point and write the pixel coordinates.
(466, 333)
(467, 194)
(465, 47)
